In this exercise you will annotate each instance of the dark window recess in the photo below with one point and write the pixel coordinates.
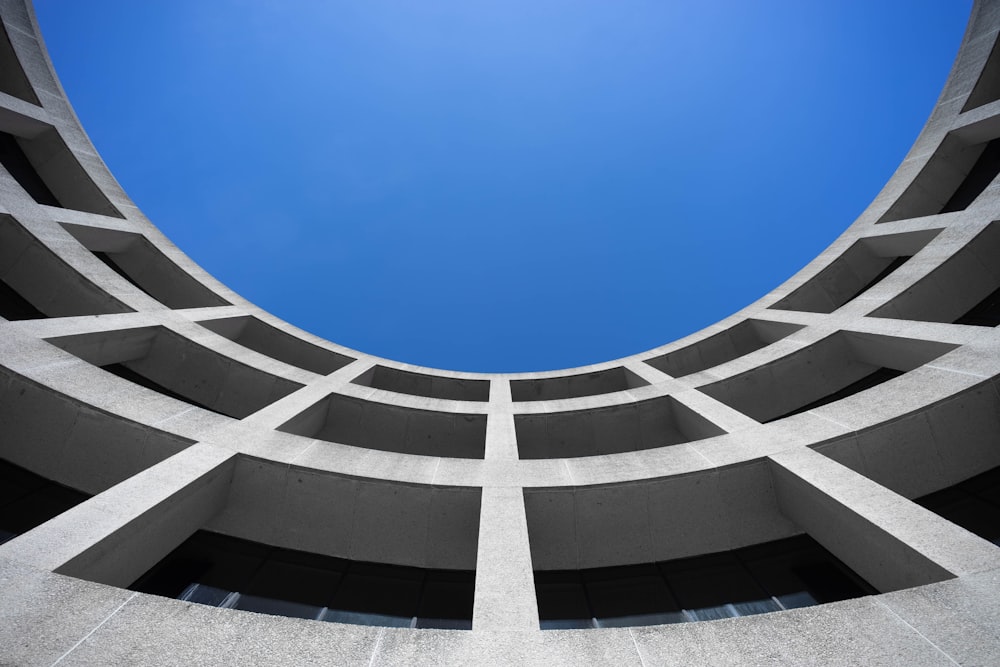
(746, 337)
(391, 428)
(270, 341)
(143, 265)
(973, 504)
(421, 384)
(126, 373)
(228, 572)
(895, 264)
(865, 264)
(12, 78)
(952, 179)
(17, 164)
(575, 386)
(986, 313)
(13, 306)
(28, 500)
(978, 179)
(987, 87)
(964, 286)
(104, 257)
(785, 574)
(657, 422)
(867, 382)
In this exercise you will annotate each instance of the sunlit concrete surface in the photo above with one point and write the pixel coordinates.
(753, 430)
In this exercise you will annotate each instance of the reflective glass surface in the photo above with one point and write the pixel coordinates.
(785, 574)
(223, 571)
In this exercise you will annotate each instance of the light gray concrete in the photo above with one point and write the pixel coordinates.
(505, 592)
(892, 543)
(656, 456)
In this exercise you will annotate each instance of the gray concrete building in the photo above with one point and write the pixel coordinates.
(185, 479)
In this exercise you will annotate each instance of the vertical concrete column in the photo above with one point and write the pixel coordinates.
(505, 582)
(501, 439)
(890, 541)
(648, 373)
(117, 535)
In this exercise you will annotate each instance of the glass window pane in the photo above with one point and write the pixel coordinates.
(263, 605)
(366, 618)
(447, 596)
(214, 597)
(561, 597)
(390, 590)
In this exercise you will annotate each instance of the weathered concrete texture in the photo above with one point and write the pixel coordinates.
(933, 625)
(889, 541)
(857, 632)
(960, 617)
(505, 599)
(150, 631)
(249, 427)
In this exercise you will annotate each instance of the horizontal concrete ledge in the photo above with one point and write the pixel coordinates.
(944, 624)
(163, 468)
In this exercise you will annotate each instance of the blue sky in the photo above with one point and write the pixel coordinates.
(502, 185)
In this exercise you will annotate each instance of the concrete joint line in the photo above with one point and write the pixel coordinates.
(95, 629)
(922, 635)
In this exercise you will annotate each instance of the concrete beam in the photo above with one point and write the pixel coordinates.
(890, 541)
(114, 537)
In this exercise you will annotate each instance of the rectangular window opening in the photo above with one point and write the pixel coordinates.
(13, 80)
(49, 171)
(161, 360)
(35, 282)
(16, 163)
(633, 426)
(984, 170)
(269, 341)
(391, 428)
(421, 384)
(13, 306)
(28, 500)
(783, 574)
(987, 88)
(953, 178)
(873, 379)
(107, 261)
(986, 313)
(962, 290)
(746, 337)
(223, 571)
(973, 504)
(575, 386)
(126, 373)
(860, 267)
(137, 260)
(832, 369)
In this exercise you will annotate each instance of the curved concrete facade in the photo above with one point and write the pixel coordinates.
(714, 442)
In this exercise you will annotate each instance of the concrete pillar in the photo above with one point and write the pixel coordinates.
(890, 541)
(116, 536)
(505, 582)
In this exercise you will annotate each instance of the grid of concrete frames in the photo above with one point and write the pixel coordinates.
(810, 480)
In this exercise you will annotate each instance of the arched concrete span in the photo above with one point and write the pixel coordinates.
(866, 381)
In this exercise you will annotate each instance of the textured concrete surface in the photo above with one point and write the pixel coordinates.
(290, 440)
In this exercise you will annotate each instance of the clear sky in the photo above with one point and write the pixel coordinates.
(502, 185)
